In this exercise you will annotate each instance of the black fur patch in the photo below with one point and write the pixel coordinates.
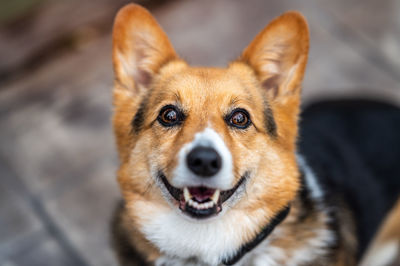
(270, 124)
(351, 145)
(138, 119)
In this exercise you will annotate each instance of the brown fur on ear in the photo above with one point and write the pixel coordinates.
(278, 55)
(140, 47)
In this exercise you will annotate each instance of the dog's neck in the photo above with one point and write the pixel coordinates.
(258, 238)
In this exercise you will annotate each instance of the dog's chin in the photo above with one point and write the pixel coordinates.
(200, 202)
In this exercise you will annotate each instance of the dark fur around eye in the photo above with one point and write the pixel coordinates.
(138, 119)
(170, 115)
(238, 118)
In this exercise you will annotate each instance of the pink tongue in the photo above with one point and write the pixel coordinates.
(201, 194)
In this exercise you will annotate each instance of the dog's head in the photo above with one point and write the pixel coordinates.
(206, 150)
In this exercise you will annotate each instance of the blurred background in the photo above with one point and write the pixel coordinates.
(57, 153)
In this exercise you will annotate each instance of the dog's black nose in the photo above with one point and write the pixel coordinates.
(204, 161)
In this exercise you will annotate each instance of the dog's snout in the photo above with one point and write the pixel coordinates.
(204, 161)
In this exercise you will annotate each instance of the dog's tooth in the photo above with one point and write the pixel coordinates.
(205, 205)
(186, 194)
(200, 206)
(215, 197)
(192, 203)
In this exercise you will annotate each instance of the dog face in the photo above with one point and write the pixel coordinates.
(206, 150)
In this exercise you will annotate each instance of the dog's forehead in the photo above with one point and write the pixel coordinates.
(206, 87)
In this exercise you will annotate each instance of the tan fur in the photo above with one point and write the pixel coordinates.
(388, 235)
(269, 72)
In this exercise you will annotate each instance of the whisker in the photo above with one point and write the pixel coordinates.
(149, 185)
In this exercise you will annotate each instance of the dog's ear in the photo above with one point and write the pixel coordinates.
(140, 48)
(278, 55)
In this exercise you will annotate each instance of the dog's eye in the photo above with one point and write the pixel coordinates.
(170, 116)
(239, 118)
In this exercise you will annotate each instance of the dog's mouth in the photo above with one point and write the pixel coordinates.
(200, 202)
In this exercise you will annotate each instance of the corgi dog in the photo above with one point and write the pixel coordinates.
(211, 171)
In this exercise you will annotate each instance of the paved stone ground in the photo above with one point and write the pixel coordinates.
(57, 153)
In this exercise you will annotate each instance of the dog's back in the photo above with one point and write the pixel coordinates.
(353, 146)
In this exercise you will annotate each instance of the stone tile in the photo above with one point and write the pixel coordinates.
(341, 62)
(83, 213)
(47, 30)
(56, 138)
(336, 70)
(54, 135)
(370, 26)
(43, 252)
(17, 219)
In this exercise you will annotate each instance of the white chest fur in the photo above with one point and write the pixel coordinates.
(179, 237)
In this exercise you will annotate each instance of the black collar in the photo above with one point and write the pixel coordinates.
(260, 237)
